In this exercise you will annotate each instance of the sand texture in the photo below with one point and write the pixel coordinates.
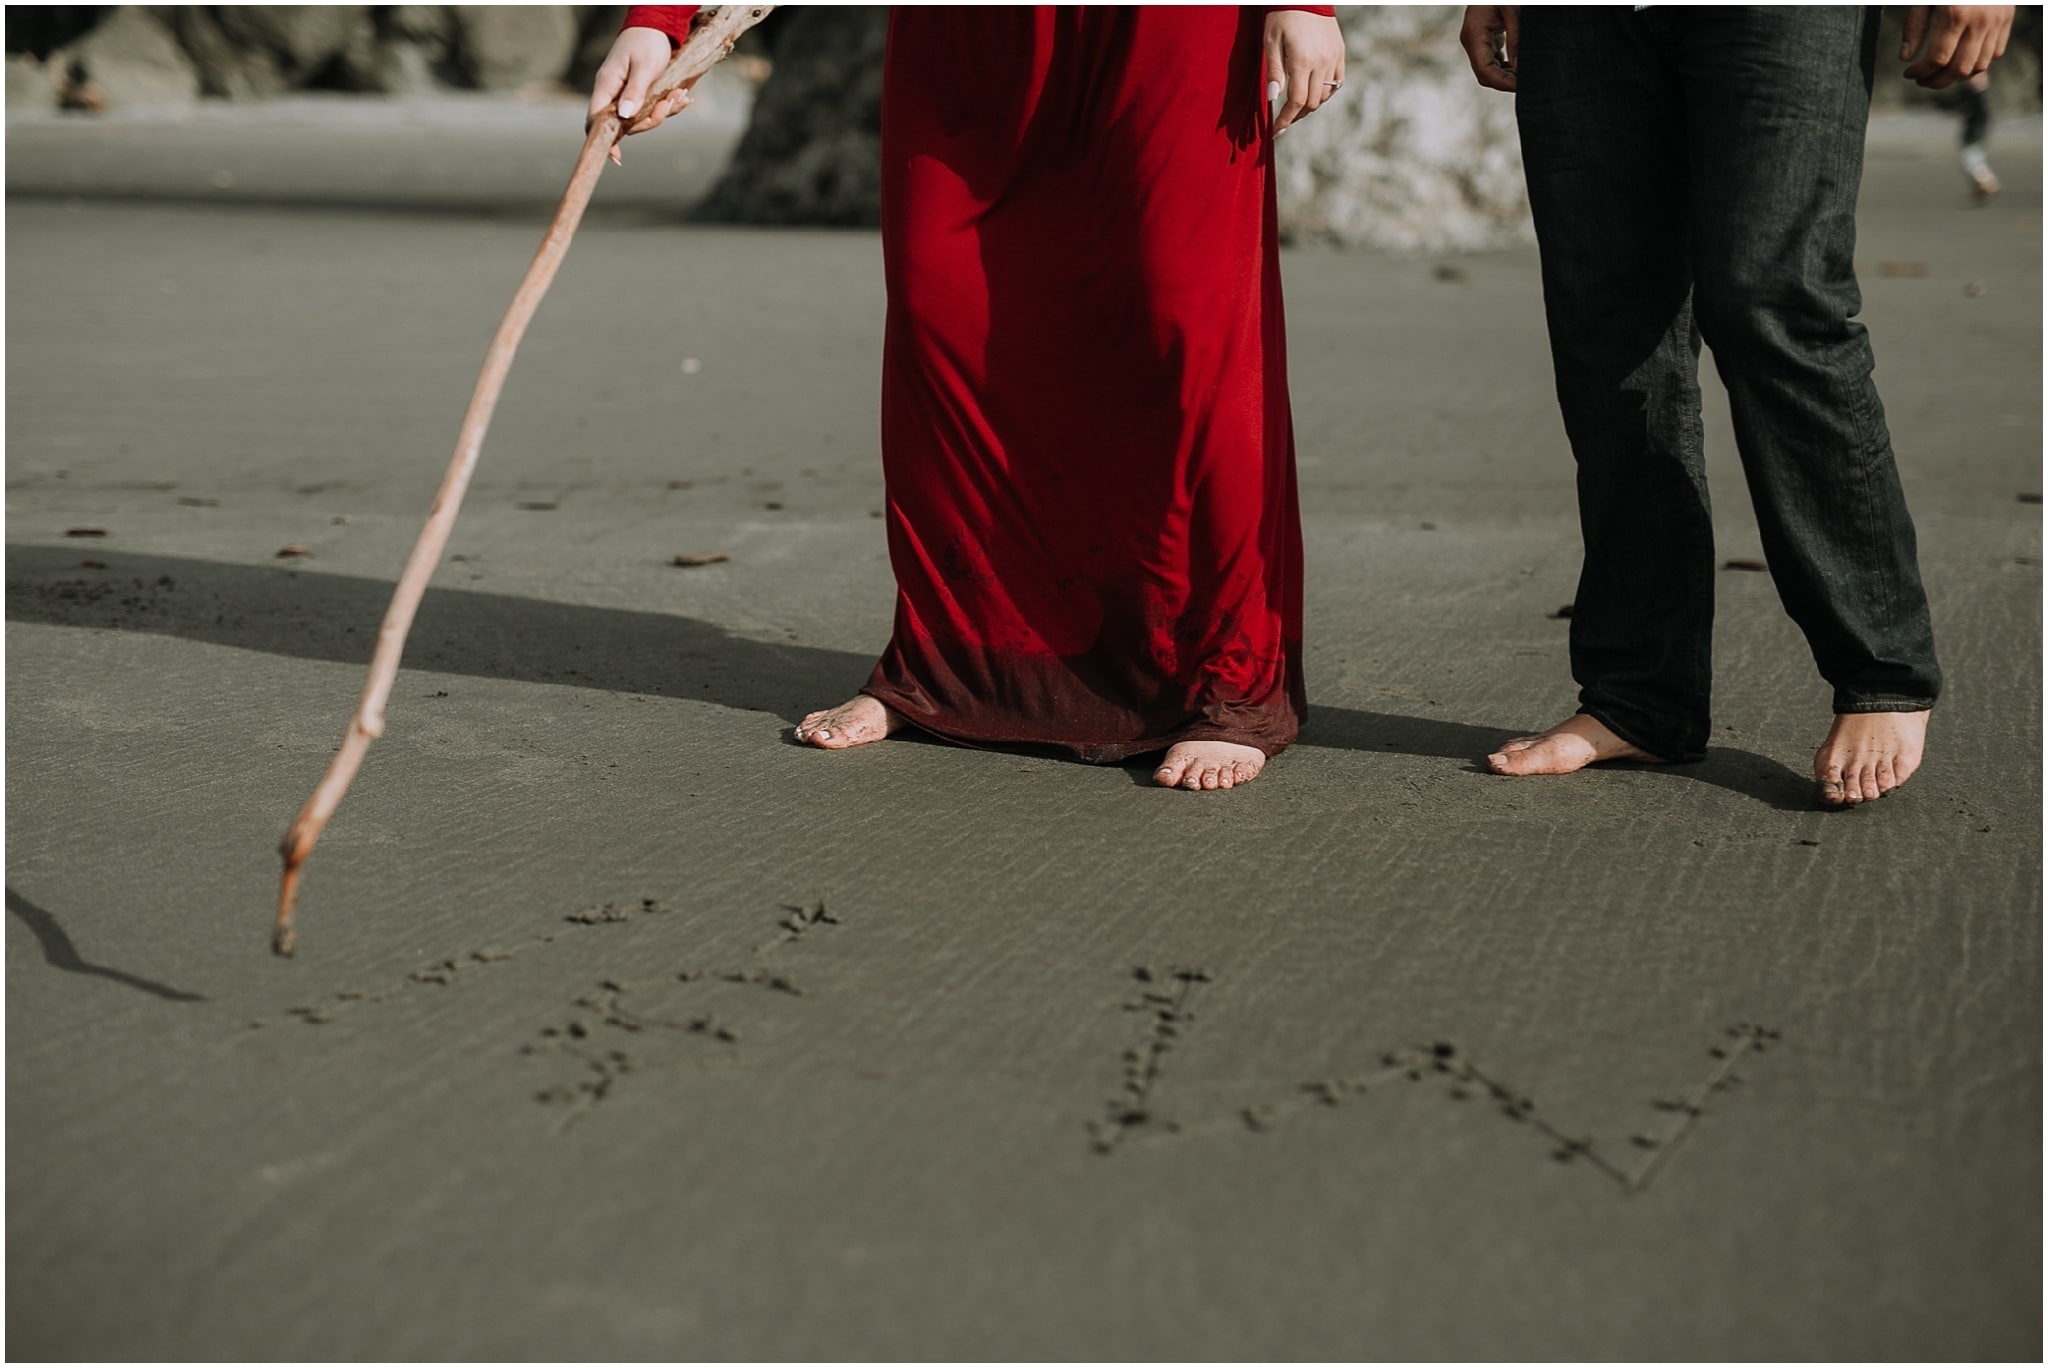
(623, 1027)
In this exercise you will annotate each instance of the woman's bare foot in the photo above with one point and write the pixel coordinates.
(1867, 755)
(1572, 744)
(1209, 765)
(855, 722)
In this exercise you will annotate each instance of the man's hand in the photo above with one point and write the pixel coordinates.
(1491, 35)
(1953, 42)
(1304, 61)
(637, 57)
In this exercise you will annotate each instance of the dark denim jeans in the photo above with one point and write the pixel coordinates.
(1693, 174)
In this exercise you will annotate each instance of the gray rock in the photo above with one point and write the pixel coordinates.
(504, 47)
(407, 50)
(1412, 154)
(300, 39)
(383, 63)
(130, 61)
(425, 24)
(30, 84)
(812, 152)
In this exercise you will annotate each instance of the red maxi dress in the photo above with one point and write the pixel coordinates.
(1086, 440)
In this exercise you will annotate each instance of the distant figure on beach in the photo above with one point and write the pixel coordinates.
(1973, 101)
(1086, 437)
(1693, 175)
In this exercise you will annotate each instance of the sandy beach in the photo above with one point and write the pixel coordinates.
(623, 1027)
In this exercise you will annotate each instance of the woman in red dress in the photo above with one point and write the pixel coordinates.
(1086, 439)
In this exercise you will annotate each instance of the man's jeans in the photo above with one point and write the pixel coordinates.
(1693, 174)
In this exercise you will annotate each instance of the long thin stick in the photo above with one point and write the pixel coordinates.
(711, 38)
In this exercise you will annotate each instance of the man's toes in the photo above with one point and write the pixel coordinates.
(1525, 759)
(1850, 784)
(1169, 774)
(1827, 773)
(1887, 778)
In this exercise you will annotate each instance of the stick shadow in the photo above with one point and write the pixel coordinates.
(316, 616)
(311, 615)
(60, 953)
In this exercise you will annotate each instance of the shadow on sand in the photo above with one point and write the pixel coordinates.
(315, 616)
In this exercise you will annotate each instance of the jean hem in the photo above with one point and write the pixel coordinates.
(1679, 756)
(1881, 704)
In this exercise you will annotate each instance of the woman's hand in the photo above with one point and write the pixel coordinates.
(1304, 62)
(636, 58)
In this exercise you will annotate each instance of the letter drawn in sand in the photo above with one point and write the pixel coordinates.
(596, 1036)
(1135, 1114)
(443, 973)
(1164, 999)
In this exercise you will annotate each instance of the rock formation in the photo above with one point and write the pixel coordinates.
(1412, 155)
(812, 152)
(164, 56)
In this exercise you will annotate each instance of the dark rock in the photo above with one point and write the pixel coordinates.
(595, 33)
(245, 51)
(39, 30)
(812, 153)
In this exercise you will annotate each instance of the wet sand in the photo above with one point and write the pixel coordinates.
(623, 1027)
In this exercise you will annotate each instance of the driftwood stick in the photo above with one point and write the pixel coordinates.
(711, 38)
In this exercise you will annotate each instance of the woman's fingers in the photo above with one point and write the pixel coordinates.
(1296, 93)
(638, 55)
(611, 77)
(635, 92)
(657, 113)
(1305, 60)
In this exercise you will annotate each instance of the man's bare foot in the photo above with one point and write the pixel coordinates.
(1867, 755)
(1209, 765)
(855, 722)
(1572, 744)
